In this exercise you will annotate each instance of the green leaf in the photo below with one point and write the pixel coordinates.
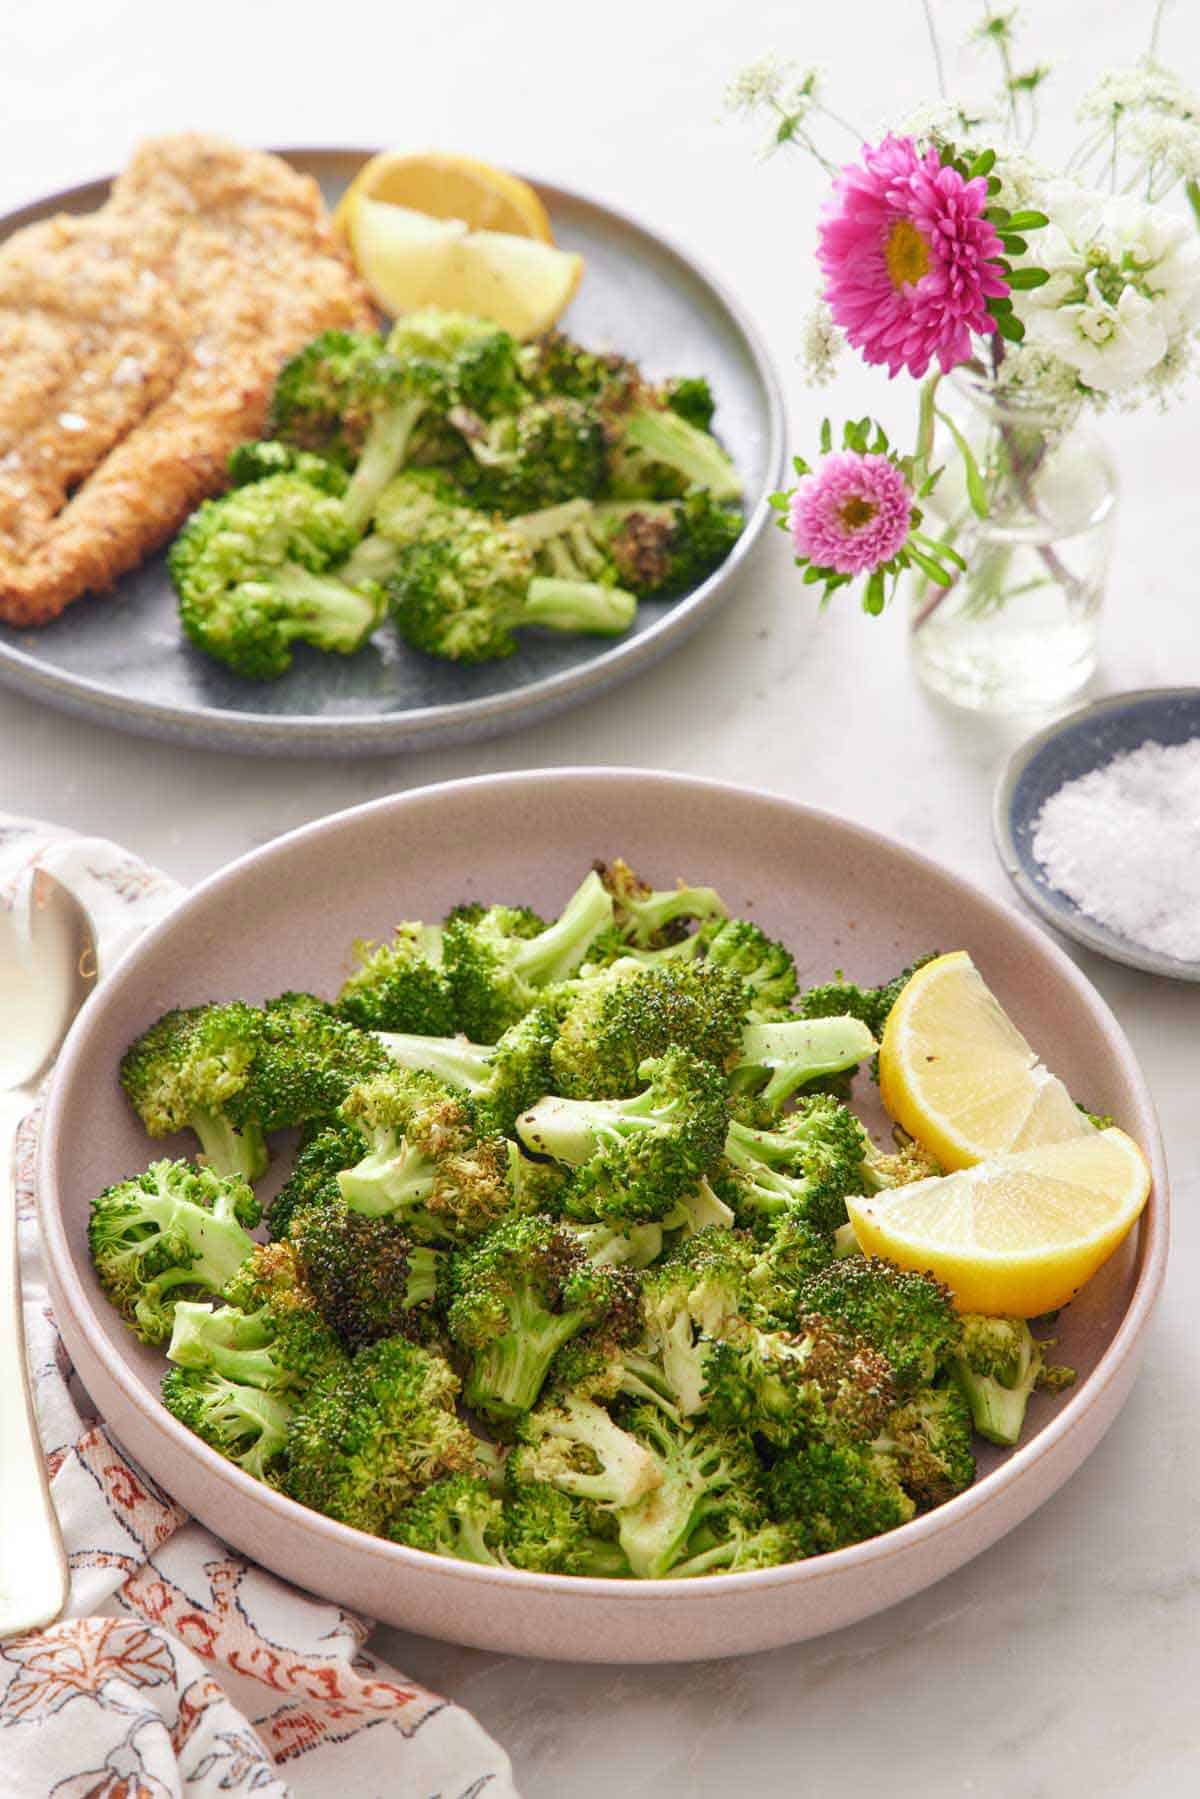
(1013, 245)
(1192, 190)
(983, 164)
(801, 467)
(928, 566)
(976, 487)
(874, 597)
(1028, 220)
(994, 184)
(1009, 326)
(779, 501)
(813, 574)
(826, 437)
(997, 215)
(940, 549)
(1001, 303)
(1023, 279)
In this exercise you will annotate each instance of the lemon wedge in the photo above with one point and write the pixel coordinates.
(1018, 1234)
(958, 1075)
(409, 260)
(447, 186)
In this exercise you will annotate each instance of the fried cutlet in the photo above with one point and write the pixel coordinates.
(138, 345)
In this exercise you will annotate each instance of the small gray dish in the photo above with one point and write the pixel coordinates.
(121, 660)
(1074, 746)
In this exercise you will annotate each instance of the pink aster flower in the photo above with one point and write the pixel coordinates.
(852, 514)
(908, 257)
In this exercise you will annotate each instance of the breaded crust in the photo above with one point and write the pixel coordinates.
(138, 345)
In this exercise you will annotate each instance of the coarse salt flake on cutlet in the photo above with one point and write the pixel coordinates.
(160, 322)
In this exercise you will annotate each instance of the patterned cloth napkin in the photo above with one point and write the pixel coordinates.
(179, 1670)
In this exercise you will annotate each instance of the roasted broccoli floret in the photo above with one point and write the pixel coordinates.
(818, 1381)
(665, 547)
(706, 1479)
(556, 364)
(548, 1532)
(462, 593)
(835, 1494)
(775, 1059)
(700, 1291)
(699, 1210)
(635, 1158)
(371, 1435)
(656, 453)
(692, 398)
(307, 1062)
(325, 1150)
(499, 969)
(366, 1275)
(270, 1335)
(175, 1232)
(998, 1364)
(254, 461)
(458, 1516)
(401, 985)
(427, 1166)
(929, 1439)
(648, 918)
(841, 998)
(765, 965)
(501, 1078)
(517, 1297)
(897, 1167)
(361, 403)
(548, 451)
(255, 571)
(792, 1251)
(635, 1247)
(246, 1424)
(909, 1317)
(805, 1166)
(183, 1073)
(629, 1016)
(573, 1444)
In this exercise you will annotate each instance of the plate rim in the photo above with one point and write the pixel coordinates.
(459, 720)
(1124, 1348)
(1088, 932)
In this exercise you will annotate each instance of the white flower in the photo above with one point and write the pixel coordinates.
(1174, 143)
(1147, 85)
(820, 343)
(1124, 286)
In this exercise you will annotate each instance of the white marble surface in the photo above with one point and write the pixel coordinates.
(1064, 1661)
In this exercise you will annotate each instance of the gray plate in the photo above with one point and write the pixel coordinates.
(1074, 746)
(120, 658)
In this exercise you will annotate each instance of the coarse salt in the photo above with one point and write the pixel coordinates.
(1124, 843)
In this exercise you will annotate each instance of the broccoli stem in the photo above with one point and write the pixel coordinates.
(202, 1338)
(389, 1178)
(555, 953)
(571, 1129)
(803, 1049)
(997, 1411)
(568, 605)
(507, 1374)
(455, 1060)
(664, 437)
(229, 1151)
(325, 610)
(383, 454)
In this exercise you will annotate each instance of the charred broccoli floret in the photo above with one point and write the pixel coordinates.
(401, 985)
(909, 1317)
(649, 918)
(550, 1532)
(707, 1479)
(929, 1439)
(805, 1166)
(819, 1381)
(998, 1364)
(375, 1433)
(635, 1158)
(547, 451)
(835, 1494)
(175, 1232)
(366, 1275)
(269, 1335)
(325, 1150)
(517, 1297)
(427, 1166)
(701, 1291)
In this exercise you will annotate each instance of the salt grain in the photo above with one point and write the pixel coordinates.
(1124, 843)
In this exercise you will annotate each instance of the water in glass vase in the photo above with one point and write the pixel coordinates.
(1018, 630)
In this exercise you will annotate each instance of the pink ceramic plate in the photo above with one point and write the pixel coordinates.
(843, 897)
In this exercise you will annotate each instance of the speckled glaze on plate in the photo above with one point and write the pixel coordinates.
(120, 658)
(285, 915)
(1074, 746)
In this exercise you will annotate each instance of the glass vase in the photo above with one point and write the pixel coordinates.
(1017, 631)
